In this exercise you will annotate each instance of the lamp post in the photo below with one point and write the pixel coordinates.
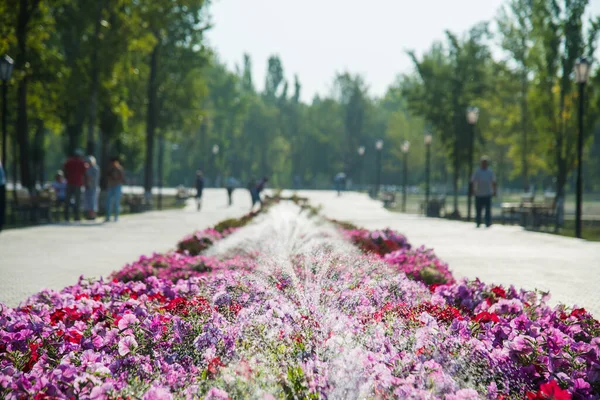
(215, 151)
(6, 67)
(379, 148)
(472, 117)
(582, 73)
(428, 140)
(161, 151)
(405, 148)
(361, 152)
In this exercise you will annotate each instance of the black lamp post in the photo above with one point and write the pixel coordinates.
(379, 148)
(428, 140)
(472, 117)
(161, 153)
(6, 68)
(582, 73)
(361, 152)
(405, 148)
(215, 151)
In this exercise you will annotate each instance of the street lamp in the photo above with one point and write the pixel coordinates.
(161, 151)
(582, 73)
(379, 148)
(472, 117)
(405, 148)
(361, 152)
(428, 140)
(6, 68)
(215, 151)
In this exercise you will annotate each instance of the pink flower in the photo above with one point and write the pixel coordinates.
(158, 393)
(126, 345)
(216, 394)
(128, 319)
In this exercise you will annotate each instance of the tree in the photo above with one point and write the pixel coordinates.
(516, 30)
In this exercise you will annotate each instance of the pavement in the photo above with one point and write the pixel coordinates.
(566, 267)
(54, 256)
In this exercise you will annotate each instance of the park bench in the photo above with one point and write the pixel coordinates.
(388, 198)
(32, 209)
(513, 211)
(135, 202)
(182, 195)
(435, 208)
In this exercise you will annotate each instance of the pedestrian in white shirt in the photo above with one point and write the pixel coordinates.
(483, 187)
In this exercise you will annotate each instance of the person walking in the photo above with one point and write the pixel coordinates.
(230, 184)
(114, 182)
(260, 186)
(252, 189)
(74, 170)
(199, 189)
(2, 196)
(483, 187)
(92, 182)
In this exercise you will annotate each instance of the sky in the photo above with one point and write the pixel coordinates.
(317, 38)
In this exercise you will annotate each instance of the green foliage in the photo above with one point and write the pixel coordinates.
(129, 73)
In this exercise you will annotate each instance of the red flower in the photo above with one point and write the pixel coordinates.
(213, 365)
(74, 336)
(499, 292)
(579, 313)
(57, 316)
(485, 316)
(179, 306)
(72, 313)
(33, 358)
(549, 391)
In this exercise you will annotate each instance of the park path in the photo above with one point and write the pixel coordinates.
(568, 268)
(54, 256)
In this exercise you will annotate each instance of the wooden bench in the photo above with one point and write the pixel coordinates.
(32, 209)
(514, 211)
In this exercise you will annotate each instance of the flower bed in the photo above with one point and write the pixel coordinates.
(319, 320)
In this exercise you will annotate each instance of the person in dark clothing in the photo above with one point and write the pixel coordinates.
(199, 189)
(230, 184)
(74, 170)
(252, 189)
(260, 186)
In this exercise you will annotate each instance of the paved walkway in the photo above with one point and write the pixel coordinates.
(54, 256)
(568, 268)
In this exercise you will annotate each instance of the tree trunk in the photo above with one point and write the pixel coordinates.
(151, 122)
(38, 152)
(95, 78)
(103, 162)
(22, 126)
(524, 144)
(456, 213)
